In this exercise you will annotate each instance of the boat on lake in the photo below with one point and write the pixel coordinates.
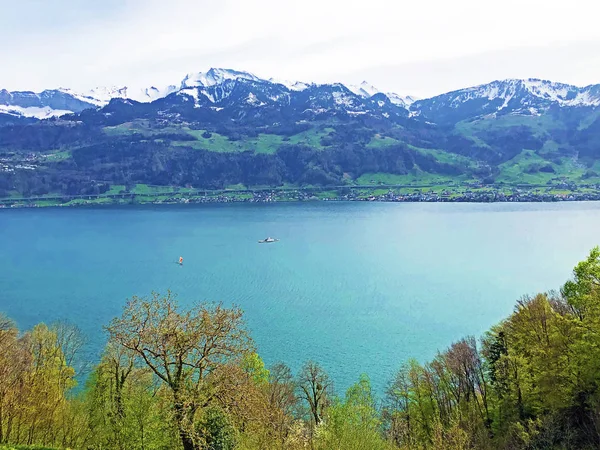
(267, 240)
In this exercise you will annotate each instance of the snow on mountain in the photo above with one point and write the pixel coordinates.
(589, 96)
(216, 84)
(44, 104)
(291, 85)
(367, 90)
(37, 112)
(524, 91)
(98, 96)
(214, 77)
(363, 89)
(530, 96)
(146, 95)
(404, 101)
(191, 92)
(517, 97)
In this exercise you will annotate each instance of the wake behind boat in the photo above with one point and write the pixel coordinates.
(267, 240)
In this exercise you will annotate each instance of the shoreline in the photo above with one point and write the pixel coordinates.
(441, 194)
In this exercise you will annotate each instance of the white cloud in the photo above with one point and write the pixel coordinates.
(157, 42)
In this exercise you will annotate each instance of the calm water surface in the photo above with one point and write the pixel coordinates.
(359, 287)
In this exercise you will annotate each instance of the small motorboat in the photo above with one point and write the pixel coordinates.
(267, 240)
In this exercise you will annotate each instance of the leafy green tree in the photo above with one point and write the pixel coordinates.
(217, 430)
(126, 409)
(255, 367)
(183, 349)
(583, 291)
(353, 423)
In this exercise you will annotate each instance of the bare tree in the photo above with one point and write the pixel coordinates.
(71, 342)
(396, 412)
(282, 398)
(315, 388)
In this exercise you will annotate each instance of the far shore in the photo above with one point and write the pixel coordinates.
(379, 193)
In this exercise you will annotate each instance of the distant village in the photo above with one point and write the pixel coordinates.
(481, 195)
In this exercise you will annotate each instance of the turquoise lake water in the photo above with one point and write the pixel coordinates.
(358, 287)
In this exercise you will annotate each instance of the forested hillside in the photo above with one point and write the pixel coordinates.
(171, 378)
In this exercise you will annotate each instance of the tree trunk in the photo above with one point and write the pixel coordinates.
(186, 439)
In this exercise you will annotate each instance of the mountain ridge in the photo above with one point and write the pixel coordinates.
(524, 96)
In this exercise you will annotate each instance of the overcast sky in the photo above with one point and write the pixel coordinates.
(419, 47)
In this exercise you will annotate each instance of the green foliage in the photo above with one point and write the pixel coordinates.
(255, 367)
(124, 408)
(217, 430)
(352, 423)
(583, 292)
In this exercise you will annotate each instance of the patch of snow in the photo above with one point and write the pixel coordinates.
(586, 98)
(316, 111)
(555, 92)
(211, 98)
(285, 97)
(193, 93)
(341, 98)
(253, 100)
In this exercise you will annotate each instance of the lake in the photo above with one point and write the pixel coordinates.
(358, 287)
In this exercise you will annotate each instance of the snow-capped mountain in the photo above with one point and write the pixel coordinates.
(40, 105)
(523, 97)
(213, 85)
(37, 112)
(367, 90)
(291, 85)
(100, 96)
(364, 89)
(214, 77)
(222, 88)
